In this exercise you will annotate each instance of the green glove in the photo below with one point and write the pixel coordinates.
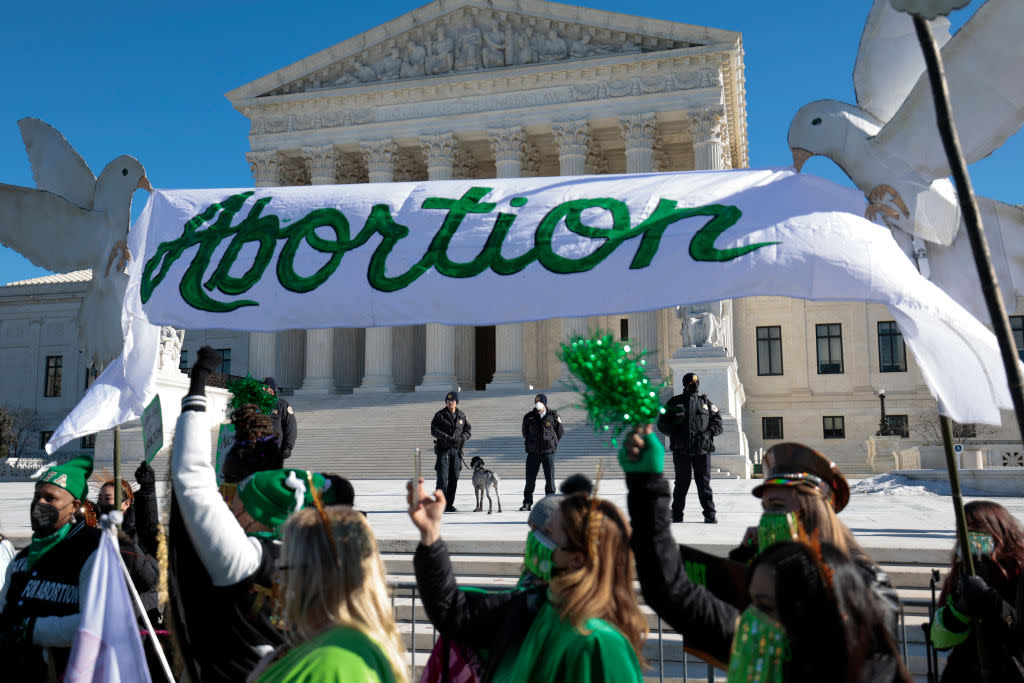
(652, 457)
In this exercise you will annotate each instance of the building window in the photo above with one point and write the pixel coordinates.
(91, 373)
(89, 442)
(899, 425)
(771, 428)
(225, 364)
(769, 350)
(623, 328)
(44, 436)
(830, 348)
(892, 354)
(1017, 325)
(54, 367)
(183, 361)
(833, 427)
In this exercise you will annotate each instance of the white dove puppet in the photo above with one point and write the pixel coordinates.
(889, 145)
(72, 220)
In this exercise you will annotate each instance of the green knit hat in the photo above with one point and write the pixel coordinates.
(71, 476)
(270, 496)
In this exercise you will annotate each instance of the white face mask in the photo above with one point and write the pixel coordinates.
(539, 406)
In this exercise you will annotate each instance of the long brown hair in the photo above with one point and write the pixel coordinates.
(819, 517)
(603, 587)
(1007, 560)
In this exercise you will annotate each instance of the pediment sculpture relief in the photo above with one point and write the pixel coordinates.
(474, 41)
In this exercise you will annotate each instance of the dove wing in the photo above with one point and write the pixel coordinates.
(889, 59)
(49, 231)
(56, 166)
(983, 63)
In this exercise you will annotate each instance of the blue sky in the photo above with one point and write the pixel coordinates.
(148, 79)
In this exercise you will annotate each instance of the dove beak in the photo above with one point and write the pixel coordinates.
(800, 157)
(144, 184)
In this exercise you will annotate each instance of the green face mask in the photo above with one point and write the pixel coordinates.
(982, 545)
(539, 556)
(776, 527)
(760, 649)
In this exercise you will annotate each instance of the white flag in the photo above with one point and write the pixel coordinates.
(107, 645)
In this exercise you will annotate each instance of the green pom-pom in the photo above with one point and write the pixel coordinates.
(251, 390)
(611, 379)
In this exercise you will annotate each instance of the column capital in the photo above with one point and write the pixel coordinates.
(322, 164)
(507, 144)
(706, 123)
(571, 137)
(638, 130)
(265, 167)
(379, 155)
(439, 149)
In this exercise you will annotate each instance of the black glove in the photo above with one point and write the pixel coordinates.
(286, 453)
(145, 475)
(976, 599)
(207, 361)
(17, 636)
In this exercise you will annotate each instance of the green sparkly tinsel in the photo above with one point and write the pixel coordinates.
(251, 390)
(611, 379)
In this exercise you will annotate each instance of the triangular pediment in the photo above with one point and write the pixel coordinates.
(444, 38)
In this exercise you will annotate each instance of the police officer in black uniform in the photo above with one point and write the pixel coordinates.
(451, 431)
(542, 430)
(691, 422)
(284, 420)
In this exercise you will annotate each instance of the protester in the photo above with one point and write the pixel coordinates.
(146, 511)
(40, 599)
(585, 625)
(810, 610)
(142, 566)
(284, 420)
(542, 430)
(450, 429)
(989, 604)
(691, 421)
(336, 610)
(224, 553)
(577, 483)
(257, 445)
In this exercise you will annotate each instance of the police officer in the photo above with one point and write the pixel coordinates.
(284, 420)
(451, 431)
(691, 422)
(542, 430)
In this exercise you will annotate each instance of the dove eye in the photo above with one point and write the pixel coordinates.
(816, 122)
(124, 171)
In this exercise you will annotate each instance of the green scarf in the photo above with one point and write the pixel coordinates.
(40, 546)
(760, 649)
(554, 650)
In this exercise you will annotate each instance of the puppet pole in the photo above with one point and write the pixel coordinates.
(989, 288)
(117, 469)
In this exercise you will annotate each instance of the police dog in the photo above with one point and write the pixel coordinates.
(483, 480)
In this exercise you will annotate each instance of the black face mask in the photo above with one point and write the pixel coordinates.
(104, 508)
(44, 518)
(691, 388)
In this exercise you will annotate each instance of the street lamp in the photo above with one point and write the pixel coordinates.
(883, 422)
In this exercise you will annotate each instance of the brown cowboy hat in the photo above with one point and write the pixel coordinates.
(793, 464)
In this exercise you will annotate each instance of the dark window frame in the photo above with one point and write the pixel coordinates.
(1017, 327)
(88, 442)
(899, 425)
(832, 332)
(91, 373)
(183, 361)
(838, 428)
(44, 436)
(54, 376)
(771, 342)
(891, 334)
(225, 363)
(764, 428)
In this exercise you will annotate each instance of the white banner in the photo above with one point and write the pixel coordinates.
(482, 252)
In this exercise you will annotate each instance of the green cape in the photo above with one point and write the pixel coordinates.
(342, 653)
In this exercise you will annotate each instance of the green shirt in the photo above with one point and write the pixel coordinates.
(340, 654)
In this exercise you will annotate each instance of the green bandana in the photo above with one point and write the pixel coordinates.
(760, 649)
(776, 527)
(40, 546)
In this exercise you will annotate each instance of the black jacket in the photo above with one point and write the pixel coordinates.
(450, 430)
(285, 425)
(542, 434)
(691, 421)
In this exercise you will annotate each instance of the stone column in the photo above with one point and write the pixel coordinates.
(318, 377)
(706, 126)
(572, 138)
(379, 378)
(439, 150)
(266, 172)
(638, 131)
(508, 145)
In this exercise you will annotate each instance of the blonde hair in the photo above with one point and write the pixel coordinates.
(818, 516)
(319, 591)
(603, 587)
